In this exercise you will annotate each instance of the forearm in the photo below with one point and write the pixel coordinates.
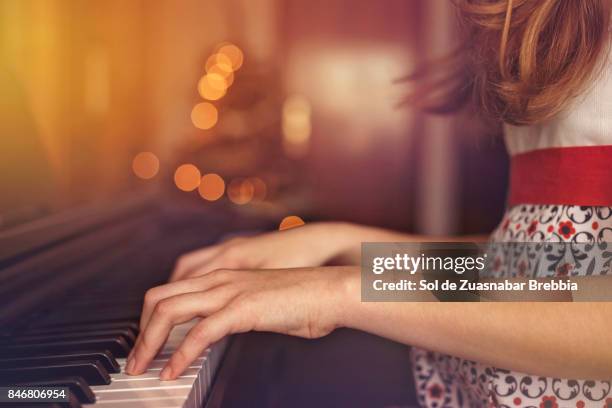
(350, 236)
(568, 340)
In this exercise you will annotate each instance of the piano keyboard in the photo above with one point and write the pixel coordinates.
(96, 376)
(82, 343)
(71, 293)
(146, 390)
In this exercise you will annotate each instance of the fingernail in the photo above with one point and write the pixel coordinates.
(165, 374)
(131, 364)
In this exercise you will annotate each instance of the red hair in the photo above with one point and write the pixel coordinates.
(522, 61)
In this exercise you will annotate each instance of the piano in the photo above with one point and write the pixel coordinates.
(71, 290)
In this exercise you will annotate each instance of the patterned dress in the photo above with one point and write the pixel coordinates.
(561, 191)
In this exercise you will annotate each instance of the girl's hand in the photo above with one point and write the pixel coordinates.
(307, 303)
(307, 246)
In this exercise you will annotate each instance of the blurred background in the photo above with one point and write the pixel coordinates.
(287, 108)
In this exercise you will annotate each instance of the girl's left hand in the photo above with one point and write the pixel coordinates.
(309, 302)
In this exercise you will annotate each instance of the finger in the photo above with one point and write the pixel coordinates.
(210, 330)
(230, 255)
(168, 313)
(192, 260)
(218, 262)
(159, 293)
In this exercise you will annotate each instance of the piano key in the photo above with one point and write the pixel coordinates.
(85, 327)
(116, 345)
(191, 372)
(104, 358)
(91, 372)
(77, 385)
(115, 386)
(153, 402)
(160, 363)
(158, 392)
(146, 390)
(126, 334)
(95, 298)
(73, 402)
(106, 316)
(100, 311)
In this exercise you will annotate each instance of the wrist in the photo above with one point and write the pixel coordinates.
(329, 239)
(348, 295)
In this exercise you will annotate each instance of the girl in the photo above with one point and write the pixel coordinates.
(542, 68)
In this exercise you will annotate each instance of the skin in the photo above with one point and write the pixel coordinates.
(273, 283)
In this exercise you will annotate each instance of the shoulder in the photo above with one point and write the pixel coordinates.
(586, 122)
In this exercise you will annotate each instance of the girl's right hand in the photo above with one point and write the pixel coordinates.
(307, 246)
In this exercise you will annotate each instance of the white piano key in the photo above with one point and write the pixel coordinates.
(159, 364)
(171, 402)
(146, 390)
(179, 391)
(143, 385)
(153, 375)
(166, 353)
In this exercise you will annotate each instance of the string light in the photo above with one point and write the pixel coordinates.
(240, 191)
(260, 189)
(221, 60)
(291, 221)
(220, 70)
(296, 125)
(145, 165)
(212, 87)
(187, 177)
(233, 54)
(212, 187)
(204, 115)
(216, 81)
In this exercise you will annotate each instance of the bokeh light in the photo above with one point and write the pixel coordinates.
(212, 187)
(212, 87)
(291, 221)
(216, 81)
(204, 115)
(233, 53)
(220, 70)
(222, 62)
(240, 191)
(260, 189)
(145, 165)
(187, 177)
(296, 125)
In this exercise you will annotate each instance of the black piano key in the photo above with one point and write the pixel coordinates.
(72, 402)
(116, 345)
(102, 311)
(84, 327)
(127, 334)
(95, 314)
(101, 299)
(105, 358)
(77, 385)
(92, 372)
(75, 318)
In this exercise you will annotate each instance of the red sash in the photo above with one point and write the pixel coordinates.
(562, 175)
